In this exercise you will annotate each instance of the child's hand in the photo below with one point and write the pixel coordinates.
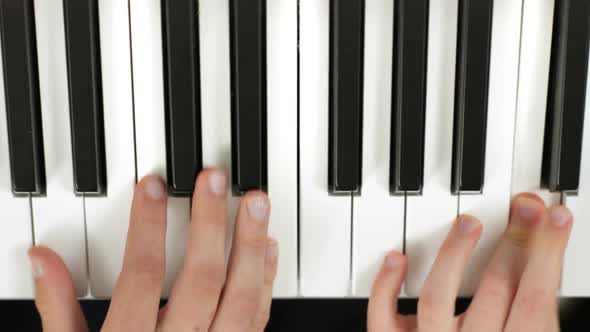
(518, 290)
(197, 302)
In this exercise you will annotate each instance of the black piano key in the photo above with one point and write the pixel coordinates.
(410, 49)
(248, 89)
(182, 87)
(346, 96)
(21, 87)
(85, 89)
(566, 99)
(471, 95)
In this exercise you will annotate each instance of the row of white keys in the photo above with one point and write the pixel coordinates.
(493, 205)
(16, 236)
(148, 80)
(325, 227)
(430, 216)
(282, 138)
(378, 217)
(59, 215)
(107, 218)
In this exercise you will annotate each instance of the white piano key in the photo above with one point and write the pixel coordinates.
(535, 55)
(325, 227)
(378, 217)
(107, 218)
(429, 217)
(576, 270)
(492, 206)
(16, 237)
(282, 143)
(146, 39)
(59, 228)
(215, 94)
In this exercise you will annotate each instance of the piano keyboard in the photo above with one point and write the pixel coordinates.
(372, 124)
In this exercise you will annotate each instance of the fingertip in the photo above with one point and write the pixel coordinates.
(48, 265)
(468, 224)
(394, 260)
(152, 187)
(212, 181)
(257, 205)
(560, 216)
(526, 208)
(530, 196)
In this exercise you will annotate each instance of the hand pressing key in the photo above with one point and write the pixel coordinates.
(518, 289)
(204, 297)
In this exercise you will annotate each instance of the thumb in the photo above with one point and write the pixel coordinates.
(54, 293)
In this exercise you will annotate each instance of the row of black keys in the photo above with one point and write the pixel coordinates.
(564, 115)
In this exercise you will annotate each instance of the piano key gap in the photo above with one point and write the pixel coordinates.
(32, 219)
(132, 95)
(298, 150)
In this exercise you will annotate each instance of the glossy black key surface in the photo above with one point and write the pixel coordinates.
(248, 88)
(566, 99)
(410, 57)
(182, 87)
(21, 88)
(471, 95)
(85, 88)
(346, 96)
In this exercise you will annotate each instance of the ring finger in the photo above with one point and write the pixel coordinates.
(436, 305)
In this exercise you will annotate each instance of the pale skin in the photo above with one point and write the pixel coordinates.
(517, 291)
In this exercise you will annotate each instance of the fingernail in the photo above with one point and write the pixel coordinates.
(467, 225)
(217, 183)
(392, 261)
(36, 267)
(527, 209)
(258, 208)
(560, 216)
(154, 189)
(272, 250)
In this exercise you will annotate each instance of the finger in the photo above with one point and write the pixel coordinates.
(436, 304)
(195, 294)
(382, 310)
(492, 301)
(136, 297)
(270, 271)
(245, 280)
(55, 297)
(535, 303)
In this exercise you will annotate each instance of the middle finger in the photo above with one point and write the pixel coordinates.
(436, 305)
(196, 292)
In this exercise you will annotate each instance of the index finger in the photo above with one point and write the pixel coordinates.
(136, 298)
